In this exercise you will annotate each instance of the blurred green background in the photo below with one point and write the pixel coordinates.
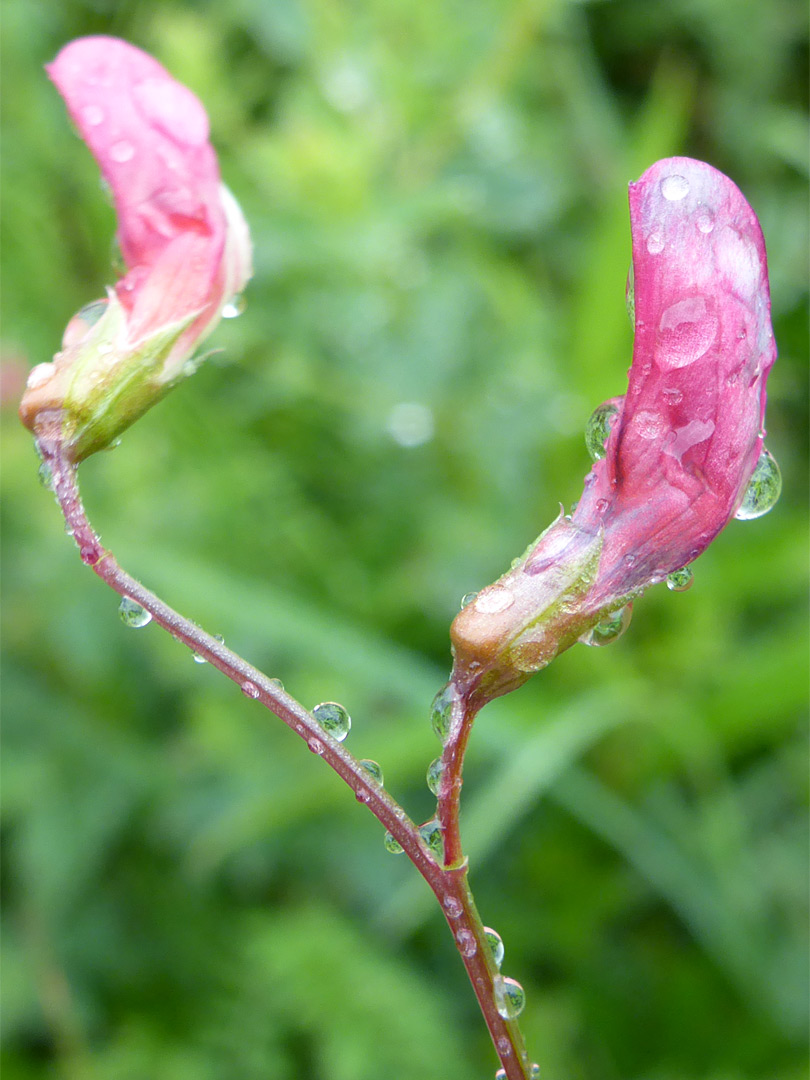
(437, 193)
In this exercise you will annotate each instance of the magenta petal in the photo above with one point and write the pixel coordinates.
(678, 456)
(690, 432)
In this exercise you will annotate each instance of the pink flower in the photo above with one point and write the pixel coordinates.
(682, 445)
(183, 238)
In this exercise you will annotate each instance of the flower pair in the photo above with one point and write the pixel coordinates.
(675, 455)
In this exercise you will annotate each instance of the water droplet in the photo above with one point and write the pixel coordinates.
(674, 187)
(467, 944)
(82, 322)
(598, 428)
(39, 375)
(410, 424)
(93, 115)
(45, 475)
(686, 332)
(672, 395)
(531, 656)
(316, 746)
(764, 488)
(705, 222)
(630, 294)
(434, 775)
(279, 685)
(534, 1072)
(441, 711)
(649, 425)
(234, 307)
(373, 769)
(680, 580)
(495, 943)
(509, 997)
(468, 598)
(333, 718)
(392, 845)
(250, 690)
(431, 834)
(655, 243)
(610, 628)
(362, 795)
(453, 907)
(122, 152)
(500, 1074)
(494, 599)
(132, 614)
(195, 656)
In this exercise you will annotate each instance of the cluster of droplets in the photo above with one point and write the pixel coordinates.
(133, 614)
(334, 719)
(598, 429)
(610, 628)
(764, 488)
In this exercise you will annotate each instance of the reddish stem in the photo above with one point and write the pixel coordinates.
(452, 763)
(448, 882)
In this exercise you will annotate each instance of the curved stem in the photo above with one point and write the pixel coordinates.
(461, 719)
(449, 882)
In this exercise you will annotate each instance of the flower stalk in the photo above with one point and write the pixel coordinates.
(449, 883)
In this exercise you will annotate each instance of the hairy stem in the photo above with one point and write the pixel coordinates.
(448, 882)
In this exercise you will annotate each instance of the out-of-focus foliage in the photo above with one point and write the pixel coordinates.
(437, 192)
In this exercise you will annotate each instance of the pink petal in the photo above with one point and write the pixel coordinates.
(149, 135)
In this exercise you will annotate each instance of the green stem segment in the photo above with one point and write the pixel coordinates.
(449, 882)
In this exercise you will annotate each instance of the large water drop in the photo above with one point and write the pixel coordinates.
(764, 488)
(598, 429)
(680, 580)
(132, 614)
(431, 834)
(495, 943)
(392, 845)
(373, 769)
(334, 719)
(610, 628)
(441, 712)
(674, 187)
(434, 775)
(509, 997)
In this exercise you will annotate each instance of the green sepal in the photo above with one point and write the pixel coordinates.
(110, 388)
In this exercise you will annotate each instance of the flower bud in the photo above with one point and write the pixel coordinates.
(680, 448)
(182, 236)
